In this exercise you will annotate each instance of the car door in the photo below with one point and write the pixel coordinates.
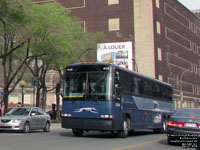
(34, 119)
(42, 118)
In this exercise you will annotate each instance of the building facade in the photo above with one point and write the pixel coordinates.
(164, 35)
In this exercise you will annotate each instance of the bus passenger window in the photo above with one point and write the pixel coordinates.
(134, 87)
(148, 88)
(141, 86)
(117, 80)
(117, 84)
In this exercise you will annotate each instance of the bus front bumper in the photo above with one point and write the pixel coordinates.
(91, 124)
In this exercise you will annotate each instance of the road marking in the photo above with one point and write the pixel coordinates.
(144, 143)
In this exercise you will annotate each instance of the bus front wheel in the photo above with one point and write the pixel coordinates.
(77, 132)
(126, 128)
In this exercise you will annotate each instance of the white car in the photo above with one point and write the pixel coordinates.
(25, 119)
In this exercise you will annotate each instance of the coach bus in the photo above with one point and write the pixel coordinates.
(107, 97)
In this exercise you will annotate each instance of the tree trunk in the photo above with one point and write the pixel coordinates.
(37, 96)
(5, 98)
(44, 98)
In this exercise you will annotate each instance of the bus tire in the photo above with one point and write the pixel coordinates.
(126, 128)
(77, 132)
(163, 129)
(164, 126)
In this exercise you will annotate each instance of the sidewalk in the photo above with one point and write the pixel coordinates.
(55, 125)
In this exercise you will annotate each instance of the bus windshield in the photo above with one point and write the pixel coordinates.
(87, 86)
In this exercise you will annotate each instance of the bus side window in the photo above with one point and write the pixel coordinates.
(141, 86)
(117, 80)
(170, 94)
(148, 88)
(156, 90)
(134, 86)
(117, 83)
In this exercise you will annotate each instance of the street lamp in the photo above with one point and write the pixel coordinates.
(22, 83)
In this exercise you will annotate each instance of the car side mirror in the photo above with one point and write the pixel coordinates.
(33, 114)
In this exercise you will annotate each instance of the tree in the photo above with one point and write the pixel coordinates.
(13, 44)
(20, 36)
(50, 25)
(60, 37)
(40, 37)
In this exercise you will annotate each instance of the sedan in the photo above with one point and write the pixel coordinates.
(184, 126)
(25, 119)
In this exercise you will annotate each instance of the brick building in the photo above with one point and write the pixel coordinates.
(164, 37)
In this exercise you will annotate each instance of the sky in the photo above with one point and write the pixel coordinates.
(191, 4)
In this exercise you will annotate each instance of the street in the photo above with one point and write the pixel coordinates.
(62, 139)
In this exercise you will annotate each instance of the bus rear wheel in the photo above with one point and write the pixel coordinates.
(77, 132)
(126, 128)
(163, 129)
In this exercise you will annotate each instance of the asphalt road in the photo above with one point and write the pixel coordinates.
(62, 139)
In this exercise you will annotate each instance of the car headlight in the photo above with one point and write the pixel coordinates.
(17, 121)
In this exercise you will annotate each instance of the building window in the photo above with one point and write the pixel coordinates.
(194, 47)
(196, 90)
(190, 104)
(113, 2)
(114, 24)
(177, 104)
(159, 52)
(198, 31)
(160, 77)
(184, 104)
(193, 27)
(158, 28)
(157, 3)
(195, 70)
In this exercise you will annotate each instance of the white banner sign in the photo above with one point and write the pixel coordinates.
(117, 53)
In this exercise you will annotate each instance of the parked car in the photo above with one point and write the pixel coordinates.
(184, 126)
(25, 119)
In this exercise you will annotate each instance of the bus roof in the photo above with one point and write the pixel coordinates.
(121, 68)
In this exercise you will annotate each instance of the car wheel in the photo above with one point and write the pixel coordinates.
(77, 132)
(47, 127)
(26, 128)
(126, 128)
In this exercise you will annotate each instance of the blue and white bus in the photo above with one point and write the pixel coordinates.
(107, 97)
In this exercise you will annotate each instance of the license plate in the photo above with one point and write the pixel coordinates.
(193, 125)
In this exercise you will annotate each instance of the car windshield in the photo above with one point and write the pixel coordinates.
(19, 111)
(188, 113)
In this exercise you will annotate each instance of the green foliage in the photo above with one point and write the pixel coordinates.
(44, 32)
(11, 11)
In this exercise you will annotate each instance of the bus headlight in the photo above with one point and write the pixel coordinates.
(107, 116)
